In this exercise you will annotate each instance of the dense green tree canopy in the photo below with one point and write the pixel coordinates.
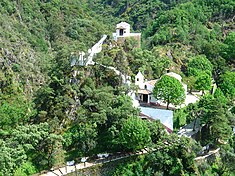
(169, 90)
(203, 82)
(229, 47)
(199, 64)
(51, 112)
(227, 82)
(173, 156)
(30, 141)
(134, 134)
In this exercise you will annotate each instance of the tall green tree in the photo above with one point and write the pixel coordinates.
(199, 64)
(36, 143)
(219, 95)
(203, 82)
(81, 138)
(213, 115)
(190, 81)
(228, 49)
(134, 134)
(226, 84)
(157, 131)
(174, 156)
(14, 111)
(169, 90)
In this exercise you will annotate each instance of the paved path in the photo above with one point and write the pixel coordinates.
(69, 169)
(209, 154)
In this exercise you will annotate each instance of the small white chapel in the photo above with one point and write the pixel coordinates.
(145, 91)
(123, 31)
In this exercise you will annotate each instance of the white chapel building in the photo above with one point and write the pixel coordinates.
(123, 31)
(145, 91)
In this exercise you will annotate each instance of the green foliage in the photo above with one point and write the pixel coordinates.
(226, 84)
(170, 90)
(221, 165)
(96, 123)
(15, 107)
(217, 128)
(180, 118)
(220, 96)
(227, 157)
(157, 131)
(203, 82)
(25, 169)
(173, 157)
(219, 67)
(190, 81)
(34, 142)
(176, 24)
(134, 134)
(199, 71)
(228, 50)
(14, 112)
(81, 138)
(90, 111)
(134, 168)
(120, 110)
(186, 23)
(128, 10)
(198, 65)
(11, 158)
(149, 62)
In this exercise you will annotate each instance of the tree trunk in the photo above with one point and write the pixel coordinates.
(194, 124)
(200, 133)
(191, 89)
(167, 105)
(203, 93)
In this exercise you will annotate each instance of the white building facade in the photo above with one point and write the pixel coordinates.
(123, 31)
(145, 91)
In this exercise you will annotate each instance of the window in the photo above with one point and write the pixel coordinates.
(145, 86)
(137, 79)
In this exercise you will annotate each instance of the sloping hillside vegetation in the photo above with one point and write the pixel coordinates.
(50, 115)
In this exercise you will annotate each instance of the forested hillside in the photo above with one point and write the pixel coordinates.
(50, 115)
